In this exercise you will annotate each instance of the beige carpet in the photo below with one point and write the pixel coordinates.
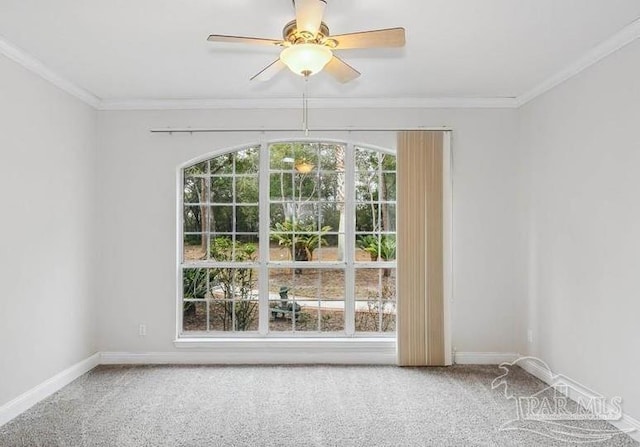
(293, 406)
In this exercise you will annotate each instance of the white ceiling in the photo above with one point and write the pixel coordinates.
(157, 49)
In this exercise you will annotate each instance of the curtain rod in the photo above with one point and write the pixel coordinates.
(319, 129)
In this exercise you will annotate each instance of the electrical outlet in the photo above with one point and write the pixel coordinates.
(142, 330)
(530, 335)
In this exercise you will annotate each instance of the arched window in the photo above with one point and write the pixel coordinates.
(289, 238)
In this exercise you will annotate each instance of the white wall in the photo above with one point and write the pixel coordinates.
(581, 146)
(47, 143)
(138, 214)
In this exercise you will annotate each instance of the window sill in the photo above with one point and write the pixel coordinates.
(347, 350)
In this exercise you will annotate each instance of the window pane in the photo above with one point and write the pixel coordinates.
(221, 219)
(193, 218)
(367, 247)
(388, 317)
(387, 247)
(277, 213)
(194, 283)
(194, 190)
(238, 316)
(388, 162)
(331, 248)
(368, 217)
(375, 247)
(193, 249)
(247, 219)
(221, 248)
(221, 190)
(246, 248)
(248, 161)
(367, 186)
(389, 186)
(280, 321)
(331, 187)
(281, 186)
(305, 187)
(367, 160)
(222, 164)
(375, 284)
(329, 216)
(375, 300)
(197, 169)
(307, 316)
(375, 316)
(293, 315)
(225, 249)
(332, 316)
(281, 156)
(307, 283)
(234, 294)
(194, 316)
(388, 216)
(327, 158)
(249, 244)
(308, 320)
(247, 190)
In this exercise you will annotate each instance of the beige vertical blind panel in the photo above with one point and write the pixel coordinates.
(420, 307)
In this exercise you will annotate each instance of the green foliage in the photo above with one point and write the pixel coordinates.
(383, 247)
(300, 239)
(237, 284)
(300, 195)
(212, 181)
(194, 286)
(375, 186)
(194, 283)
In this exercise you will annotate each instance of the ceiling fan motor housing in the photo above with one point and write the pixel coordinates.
(291, 34)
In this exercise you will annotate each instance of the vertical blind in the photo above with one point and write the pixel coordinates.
(421, 322)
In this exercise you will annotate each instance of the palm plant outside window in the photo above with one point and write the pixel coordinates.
(291, 238)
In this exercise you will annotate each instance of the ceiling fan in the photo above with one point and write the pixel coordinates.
(308, 46)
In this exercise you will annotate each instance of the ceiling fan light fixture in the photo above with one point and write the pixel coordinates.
(306, 59)
(303, 166)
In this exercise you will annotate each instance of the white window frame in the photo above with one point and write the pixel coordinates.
(264, 264)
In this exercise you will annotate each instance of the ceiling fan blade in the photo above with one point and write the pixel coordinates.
(309, 15)
(392, 37)
(240, 39)
(340, 70)
(269, 71)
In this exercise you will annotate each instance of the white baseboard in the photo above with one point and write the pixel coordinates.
(28, 399)
(273, 351)
(575, 391)
(484, 358)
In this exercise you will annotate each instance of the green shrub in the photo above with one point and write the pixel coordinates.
(301, 240)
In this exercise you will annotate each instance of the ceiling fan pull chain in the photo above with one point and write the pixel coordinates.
(305, 107)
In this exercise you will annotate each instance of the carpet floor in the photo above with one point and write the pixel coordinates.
(295, 406)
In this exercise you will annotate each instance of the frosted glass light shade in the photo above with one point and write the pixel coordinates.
(306, 59)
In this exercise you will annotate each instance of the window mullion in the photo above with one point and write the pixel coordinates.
(206, 196)
(263, 243)
(349, 240)
(181, 260)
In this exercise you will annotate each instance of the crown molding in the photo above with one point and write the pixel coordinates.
(625, 36)
(35, 66)
(314, 103)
